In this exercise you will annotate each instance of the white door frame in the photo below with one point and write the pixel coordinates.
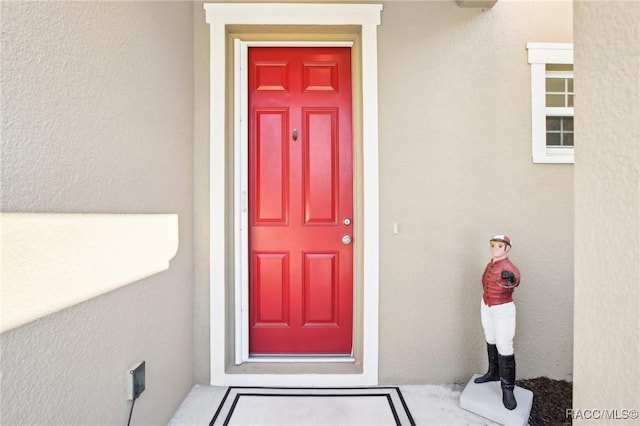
(218, 16)
(241, 189)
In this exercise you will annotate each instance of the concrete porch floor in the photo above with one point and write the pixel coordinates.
(429, 405)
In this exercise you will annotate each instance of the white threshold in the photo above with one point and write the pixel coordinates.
(301, 358)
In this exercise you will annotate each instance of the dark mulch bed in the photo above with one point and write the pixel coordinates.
(551, 400)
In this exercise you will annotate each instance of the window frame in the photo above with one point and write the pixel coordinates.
(539, 55)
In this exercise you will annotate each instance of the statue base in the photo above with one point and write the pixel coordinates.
(485, 399)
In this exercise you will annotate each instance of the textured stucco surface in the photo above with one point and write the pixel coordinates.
(52, 261)
(455, 169)
(97, 117)
(97, 111)
(607, 220)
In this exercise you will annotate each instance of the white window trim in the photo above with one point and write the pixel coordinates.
(541, 54)
(367, 17)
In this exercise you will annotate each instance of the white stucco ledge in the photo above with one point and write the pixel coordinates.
(53, 261)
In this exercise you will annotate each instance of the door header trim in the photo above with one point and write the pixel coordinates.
(292, 14)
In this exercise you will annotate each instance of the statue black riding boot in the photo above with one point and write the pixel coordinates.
(508, 380)
(492, 374)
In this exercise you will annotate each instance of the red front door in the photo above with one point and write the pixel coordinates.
(300, 201)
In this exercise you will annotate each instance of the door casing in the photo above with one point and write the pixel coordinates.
(232, 27)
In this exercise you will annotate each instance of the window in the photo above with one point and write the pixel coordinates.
(551, 102)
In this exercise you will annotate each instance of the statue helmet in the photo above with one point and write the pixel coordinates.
(501, 238)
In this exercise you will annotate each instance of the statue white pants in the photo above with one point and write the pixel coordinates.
(499, 324)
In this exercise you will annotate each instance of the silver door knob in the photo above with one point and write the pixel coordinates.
(347, 239)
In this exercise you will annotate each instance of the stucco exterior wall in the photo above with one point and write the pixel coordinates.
(607, 219)
(97, 109)
(97, 117)
(97, 103)
(455, 169)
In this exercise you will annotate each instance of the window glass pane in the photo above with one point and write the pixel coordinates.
(559, 91)
(567, 139)
(555, 85)
(555, 101)
(553, 139)
(559, 131)
(567, 124)
(559, 67)
(553, 123)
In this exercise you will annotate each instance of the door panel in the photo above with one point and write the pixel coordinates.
(321, 289)
(300, 190)
(272, 167)
(272, 289)
(320, 166)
